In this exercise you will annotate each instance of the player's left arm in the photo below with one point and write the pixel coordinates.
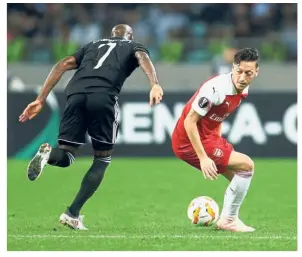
(148, 68)
(143, 60)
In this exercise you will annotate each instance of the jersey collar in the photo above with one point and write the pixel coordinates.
(118, 38)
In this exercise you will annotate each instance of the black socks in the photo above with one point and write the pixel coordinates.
(89, 185)
(60, 157)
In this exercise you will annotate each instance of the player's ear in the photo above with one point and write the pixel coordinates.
(235, 66)
(257, 72)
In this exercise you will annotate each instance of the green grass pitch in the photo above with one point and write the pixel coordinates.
(142, 204)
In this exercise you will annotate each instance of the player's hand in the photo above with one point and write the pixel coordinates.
(156, 94)
(31, 111)
(208, 168)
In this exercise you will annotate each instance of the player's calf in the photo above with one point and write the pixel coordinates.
(242, 168)
(91, 181)
(46, 155)
(61, 157)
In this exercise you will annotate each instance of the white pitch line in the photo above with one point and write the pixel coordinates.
(155, 236)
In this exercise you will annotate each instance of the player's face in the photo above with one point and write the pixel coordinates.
(243, 74)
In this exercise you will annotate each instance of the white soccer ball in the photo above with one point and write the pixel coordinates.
(203, 211)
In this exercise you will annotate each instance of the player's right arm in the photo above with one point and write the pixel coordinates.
(35, 107)
(219, 131)
(147, 66)
(67, 63)
(190, 124)
(207, 96)
(207, 165)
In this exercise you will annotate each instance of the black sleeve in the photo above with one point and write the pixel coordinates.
(140, 47)
(80, 54)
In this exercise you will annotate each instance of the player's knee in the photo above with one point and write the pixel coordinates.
(248, 165)
(61, 158)
(69, 148)
(102, 153)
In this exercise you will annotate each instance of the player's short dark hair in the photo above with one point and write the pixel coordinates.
(247, 55)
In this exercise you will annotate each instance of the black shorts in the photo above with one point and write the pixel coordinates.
(96, 113)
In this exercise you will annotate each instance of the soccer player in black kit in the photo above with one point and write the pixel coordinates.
(92, 105)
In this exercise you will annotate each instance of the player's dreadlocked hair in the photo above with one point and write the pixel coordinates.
(247, 55)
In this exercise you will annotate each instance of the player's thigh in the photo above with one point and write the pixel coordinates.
(103, 111)
(185, 151)
(191, 158)
(73, 123)
(219, 150)
(240, 162)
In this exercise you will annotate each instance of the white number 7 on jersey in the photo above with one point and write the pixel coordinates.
(100, 62)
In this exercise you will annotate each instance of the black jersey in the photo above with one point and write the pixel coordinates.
(104, 65)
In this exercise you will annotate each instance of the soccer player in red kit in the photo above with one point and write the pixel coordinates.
(197, 136)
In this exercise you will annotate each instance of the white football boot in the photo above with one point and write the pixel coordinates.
(235, 225)
(73, 223)
(36, 165)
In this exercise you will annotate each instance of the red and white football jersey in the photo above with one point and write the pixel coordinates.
(214, 100)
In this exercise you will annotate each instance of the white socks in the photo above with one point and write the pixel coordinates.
(235, 193)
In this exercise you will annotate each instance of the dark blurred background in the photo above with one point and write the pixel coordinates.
(191, 33)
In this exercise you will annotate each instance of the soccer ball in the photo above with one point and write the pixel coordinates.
(203, 211)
